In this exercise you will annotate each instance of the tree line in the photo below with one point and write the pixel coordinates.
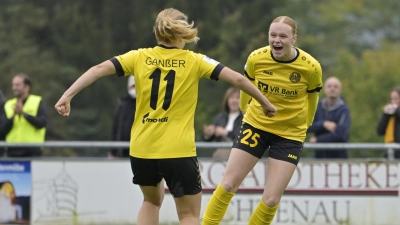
(54, 42)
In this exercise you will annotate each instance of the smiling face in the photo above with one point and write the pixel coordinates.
(281, 39)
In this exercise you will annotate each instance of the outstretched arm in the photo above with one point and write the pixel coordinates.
(94, 73)
(245, 85)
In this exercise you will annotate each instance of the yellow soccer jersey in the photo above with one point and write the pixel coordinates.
(287, 86)
(167, 82)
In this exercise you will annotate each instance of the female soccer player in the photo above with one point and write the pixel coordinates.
(291, 79)
(162, 143)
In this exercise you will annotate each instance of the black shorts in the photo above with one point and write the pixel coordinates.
(182, 175)
(256, 142)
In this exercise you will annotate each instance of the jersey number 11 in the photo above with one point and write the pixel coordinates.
(156, 77)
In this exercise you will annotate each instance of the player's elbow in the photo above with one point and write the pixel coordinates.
(239, 81)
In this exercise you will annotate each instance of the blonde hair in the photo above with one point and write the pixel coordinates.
(287, 20)
(172, 25)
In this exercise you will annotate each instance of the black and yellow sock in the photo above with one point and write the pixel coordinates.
(217, 206)
(263, 214)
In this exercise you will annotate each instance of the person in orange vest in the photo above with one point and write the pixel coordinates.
(23, 118)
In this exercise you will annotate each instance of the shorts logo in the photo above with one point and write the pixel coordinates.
(292, 156)
(294, 77)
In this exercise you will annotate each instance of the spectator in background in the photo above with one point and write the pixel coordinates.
(23, 118)
(332, 120)
(227, 123)
(389, 123)
(123, 119)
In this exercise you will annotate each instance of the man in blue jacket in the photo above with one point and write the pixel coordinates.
(332, 120)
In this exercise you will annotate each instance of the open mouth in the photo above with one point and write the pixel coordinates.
(278, 48)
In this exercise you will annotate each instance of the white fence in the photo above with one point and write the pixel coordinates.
(389, 147)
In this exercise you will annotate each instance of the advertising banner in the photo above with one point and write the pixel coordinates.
(15, 192)
(101, 192)
(318, 193)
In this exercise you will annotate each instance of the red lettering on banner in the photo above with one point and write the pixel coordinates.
(351, 175)
(369, 174)
(389, 175)
(314, 175)
(311, 165)
(327, 175)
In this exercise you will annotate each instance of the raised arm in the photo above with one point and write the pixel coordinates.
(243, 84)
(103, 69)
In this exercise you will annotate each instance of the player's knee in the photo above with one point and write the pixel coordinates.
(229, 186)
(153, 201)
(188, 215)
(271, 201)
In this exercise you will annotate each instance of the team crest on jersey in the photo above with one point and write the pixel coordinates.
(294, 77)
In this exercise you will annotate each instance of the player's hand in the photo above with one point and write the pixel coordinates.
(63, 106)
(269, 110)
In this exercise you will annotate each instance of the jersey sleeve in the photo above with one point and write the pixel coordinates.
(124, 64)
(315, 79)
(209, 68)
(314, 86)
(244, 97)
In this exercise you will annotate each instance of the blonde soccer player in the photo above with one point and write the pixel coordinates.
(162, 146)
